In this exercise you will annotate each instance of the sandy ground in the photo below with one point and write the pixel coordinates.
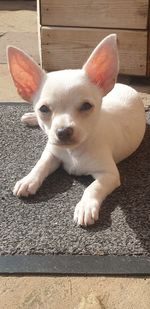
(18, 26)
(74, 293)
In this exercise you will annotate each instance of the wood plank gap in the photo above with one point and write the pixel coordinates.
(90, 28)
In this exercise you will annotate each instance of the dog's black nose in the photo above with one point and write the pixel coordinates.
(64, 134)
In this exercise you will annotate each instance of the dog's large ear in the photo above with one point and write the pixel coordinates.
(28, 77)
(103, 64)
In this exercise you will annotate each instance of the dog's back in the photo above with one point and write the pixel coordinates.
(124, 110)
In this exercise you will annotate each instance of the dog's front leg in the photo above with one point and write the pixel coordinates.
(87, 210)
(46, 165)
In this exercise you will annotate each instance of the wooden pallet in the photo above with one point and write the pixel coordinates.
(69, 30)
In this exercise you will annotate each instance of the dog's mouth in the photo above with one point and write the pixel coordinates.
(67, 144)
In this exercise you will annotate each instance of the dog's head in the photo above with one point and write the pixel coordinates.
(67, 103)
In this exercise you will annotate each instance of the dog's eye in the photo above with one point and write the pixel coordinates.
(44, 109)
(86, 106)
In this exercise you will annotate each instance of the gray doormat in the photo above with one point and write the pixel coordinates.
(43, 226)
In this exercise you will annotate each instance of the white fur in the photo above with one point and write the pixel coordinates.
(102, 137)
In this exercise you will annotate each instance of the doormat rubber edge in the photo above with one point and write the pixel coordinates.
(75, 265)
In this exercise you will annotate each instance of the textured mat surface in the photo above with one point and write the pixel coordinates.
(44, 224)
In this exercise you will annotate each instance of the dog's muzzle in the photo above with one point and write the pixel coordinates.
(65, 134)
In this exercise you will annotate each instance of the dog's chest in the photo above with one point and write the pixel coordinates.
(72, 166)
(72, 162)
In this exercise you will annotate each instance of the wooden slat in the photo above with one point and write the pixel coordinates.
(70, 47)
(148, 45)
(122, 14)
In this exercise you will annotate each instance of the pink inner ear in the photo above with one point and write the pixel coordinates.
(26, 74)
(102, 66)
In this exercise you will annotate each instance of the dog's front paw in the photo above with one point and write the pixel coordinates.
(30, 119)
(26, 186)
(86, 212)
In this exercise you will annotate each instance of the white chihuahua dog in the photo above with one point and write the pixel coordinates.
(91, 122)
